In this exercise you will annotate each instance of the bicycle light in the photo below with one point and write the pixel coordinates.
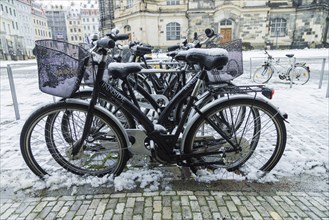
(267, 92)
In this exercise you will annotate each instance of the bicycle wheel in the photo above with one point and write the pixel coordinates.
(263, 74)
(260, 137)
(300, 76)
(46, 151)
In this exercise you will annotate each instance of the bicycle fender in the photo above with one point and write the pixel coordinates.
(220, 101)
(104, 111)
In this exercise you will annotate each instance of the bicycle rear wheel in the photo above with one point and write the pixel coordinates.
(260, 137)
(263, 74)
(46, 151)
(300, 76)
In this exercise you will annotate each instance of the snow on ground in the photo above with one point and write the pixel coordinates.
(306, 151)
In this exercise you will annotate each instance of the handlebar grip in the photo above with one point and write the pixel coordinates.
(122, 37)
(172, 48)
(106, 43)
(209, 32)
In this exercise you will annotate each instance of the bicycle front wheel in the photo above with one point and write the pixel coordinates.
(258, 141)
(46, 150)
(263, 74)
(300, 76)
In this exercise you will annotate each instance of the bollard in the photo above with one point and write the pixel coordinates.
(292, 71)
(322, 72)
(250, 68)
(13, 91)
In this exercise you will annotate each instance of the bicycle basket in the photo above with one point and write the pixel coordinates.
(61, 66)
(234, 66)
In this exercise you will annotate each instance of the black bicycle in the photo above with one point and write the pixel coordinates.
(241, 133)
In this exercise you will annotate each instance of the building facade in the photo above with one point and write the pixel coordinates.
(90, 18)
(274, 23)
(74, 26)
(41, 29)
(11, 41)
(56, 17)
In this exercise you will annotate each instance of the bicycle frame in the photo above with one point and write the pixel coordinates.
(165, 143)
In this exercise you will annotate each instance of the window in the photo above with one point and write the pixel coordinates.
(1, 7)
(173, 31)
(129, 3)
(226, 22)
(172, 2)
(278, 27)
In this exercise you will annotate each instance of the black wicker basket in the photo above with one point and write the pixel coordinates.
(61, 66)
(234, 66)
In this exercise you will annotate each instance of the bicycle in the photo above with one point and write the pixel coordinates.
(298, 73)
(216, 136)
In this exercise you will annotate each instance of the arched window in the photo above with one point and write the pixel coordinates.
(127, 28)
(225, 22)
(278, 27)
(173, 31)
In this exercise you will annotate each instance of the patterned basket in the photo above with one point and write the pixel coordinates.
(61, 66)
(234, 66)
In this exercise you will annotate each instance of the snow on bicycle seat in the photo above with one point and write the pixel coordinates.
(213, 58)
(290, 55)
(122, 70)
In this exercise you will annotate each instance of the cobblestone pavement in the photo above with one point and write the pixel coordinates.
(172, 205)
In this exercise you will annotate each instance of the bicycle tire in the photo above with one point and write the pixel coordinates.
(257, 138)
(301, 75)
(263, 74)
(45, 152)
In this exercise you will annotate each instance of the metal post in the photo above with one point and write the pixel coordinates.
(250, 68)
(327, 95)
(13, 91)
(322, 72)
(292, 73)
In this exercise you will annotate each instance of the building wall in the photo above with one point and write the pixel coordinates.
(306, 20)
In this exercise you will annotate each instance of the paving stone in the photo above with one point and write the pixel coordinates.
(112, 203)
(44, 212)
(157, 206)
(231, 206)
(195, 206)
(148, 213)
(40, 206)
(166, 213)
(186, 212)
(89, 214)
(62, 212)
(138, 208)
(166, 201)
(108, 214)
(94, 203)
(206, 213)
(82, 210)
(120, 208)
(128, 213)
(101, 207)
(184, 200)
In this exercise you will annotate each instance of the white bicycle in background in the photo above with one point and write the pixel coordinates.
(299, 73)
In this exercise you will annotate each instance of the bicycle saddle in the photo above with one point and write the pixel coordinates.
(214, 58)
(122, 70)
(181, 55)
(172, 54)
(143, 50)
(289, 55)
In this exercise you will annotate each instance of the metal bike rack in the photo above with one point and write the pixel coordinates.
(12, 85)
(324, 59)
